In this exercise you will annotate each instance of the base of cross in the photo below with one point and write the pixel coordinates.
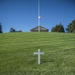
(38, 53)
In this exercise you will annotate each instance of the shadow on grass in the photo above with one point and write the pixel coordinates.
(46, 61)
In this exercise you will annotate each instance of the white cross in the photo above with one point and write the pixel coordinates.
(39, 53)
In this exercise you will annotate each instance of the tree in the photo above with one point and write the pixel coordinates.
(71, 27)
(58, 28)
(12, 30)
(0, 28)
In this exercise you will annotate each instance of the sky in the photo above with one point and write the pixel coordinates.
(23, 14)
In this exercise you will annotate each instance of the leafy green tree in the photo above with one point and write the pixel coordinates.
(0, 28)
(58, 28)
(71, 27)
(53, 29)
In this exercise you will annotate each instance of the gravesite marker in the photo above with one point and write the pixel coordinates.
(38, 53)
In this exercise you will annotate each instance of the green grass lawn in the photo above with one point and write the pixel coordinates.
(17, 58)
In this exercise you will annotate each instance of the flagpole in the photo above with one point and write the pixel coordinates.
(39, 15)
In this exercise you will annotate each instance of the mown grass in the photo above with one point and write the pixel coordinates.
(17, 58)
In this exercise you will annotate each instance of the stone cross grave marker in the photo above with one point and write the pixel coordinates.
(38, 53)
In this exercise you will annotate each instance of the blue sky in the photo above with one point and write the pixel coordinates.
(23, 14)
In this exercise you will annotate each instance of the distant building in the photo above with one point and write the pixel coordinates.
(40, 29)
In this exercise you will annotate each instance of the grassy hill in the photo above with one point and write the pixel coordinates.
(17, 58)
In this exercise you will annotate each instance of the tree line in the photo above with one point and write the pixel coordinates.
(70, 28)
(11, 29)
(58, 28)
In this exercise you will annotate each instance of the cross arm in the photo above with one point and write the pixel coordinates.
(35, 53)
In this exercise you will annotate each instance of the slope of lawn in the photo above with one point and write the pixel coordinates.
(17, 58)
